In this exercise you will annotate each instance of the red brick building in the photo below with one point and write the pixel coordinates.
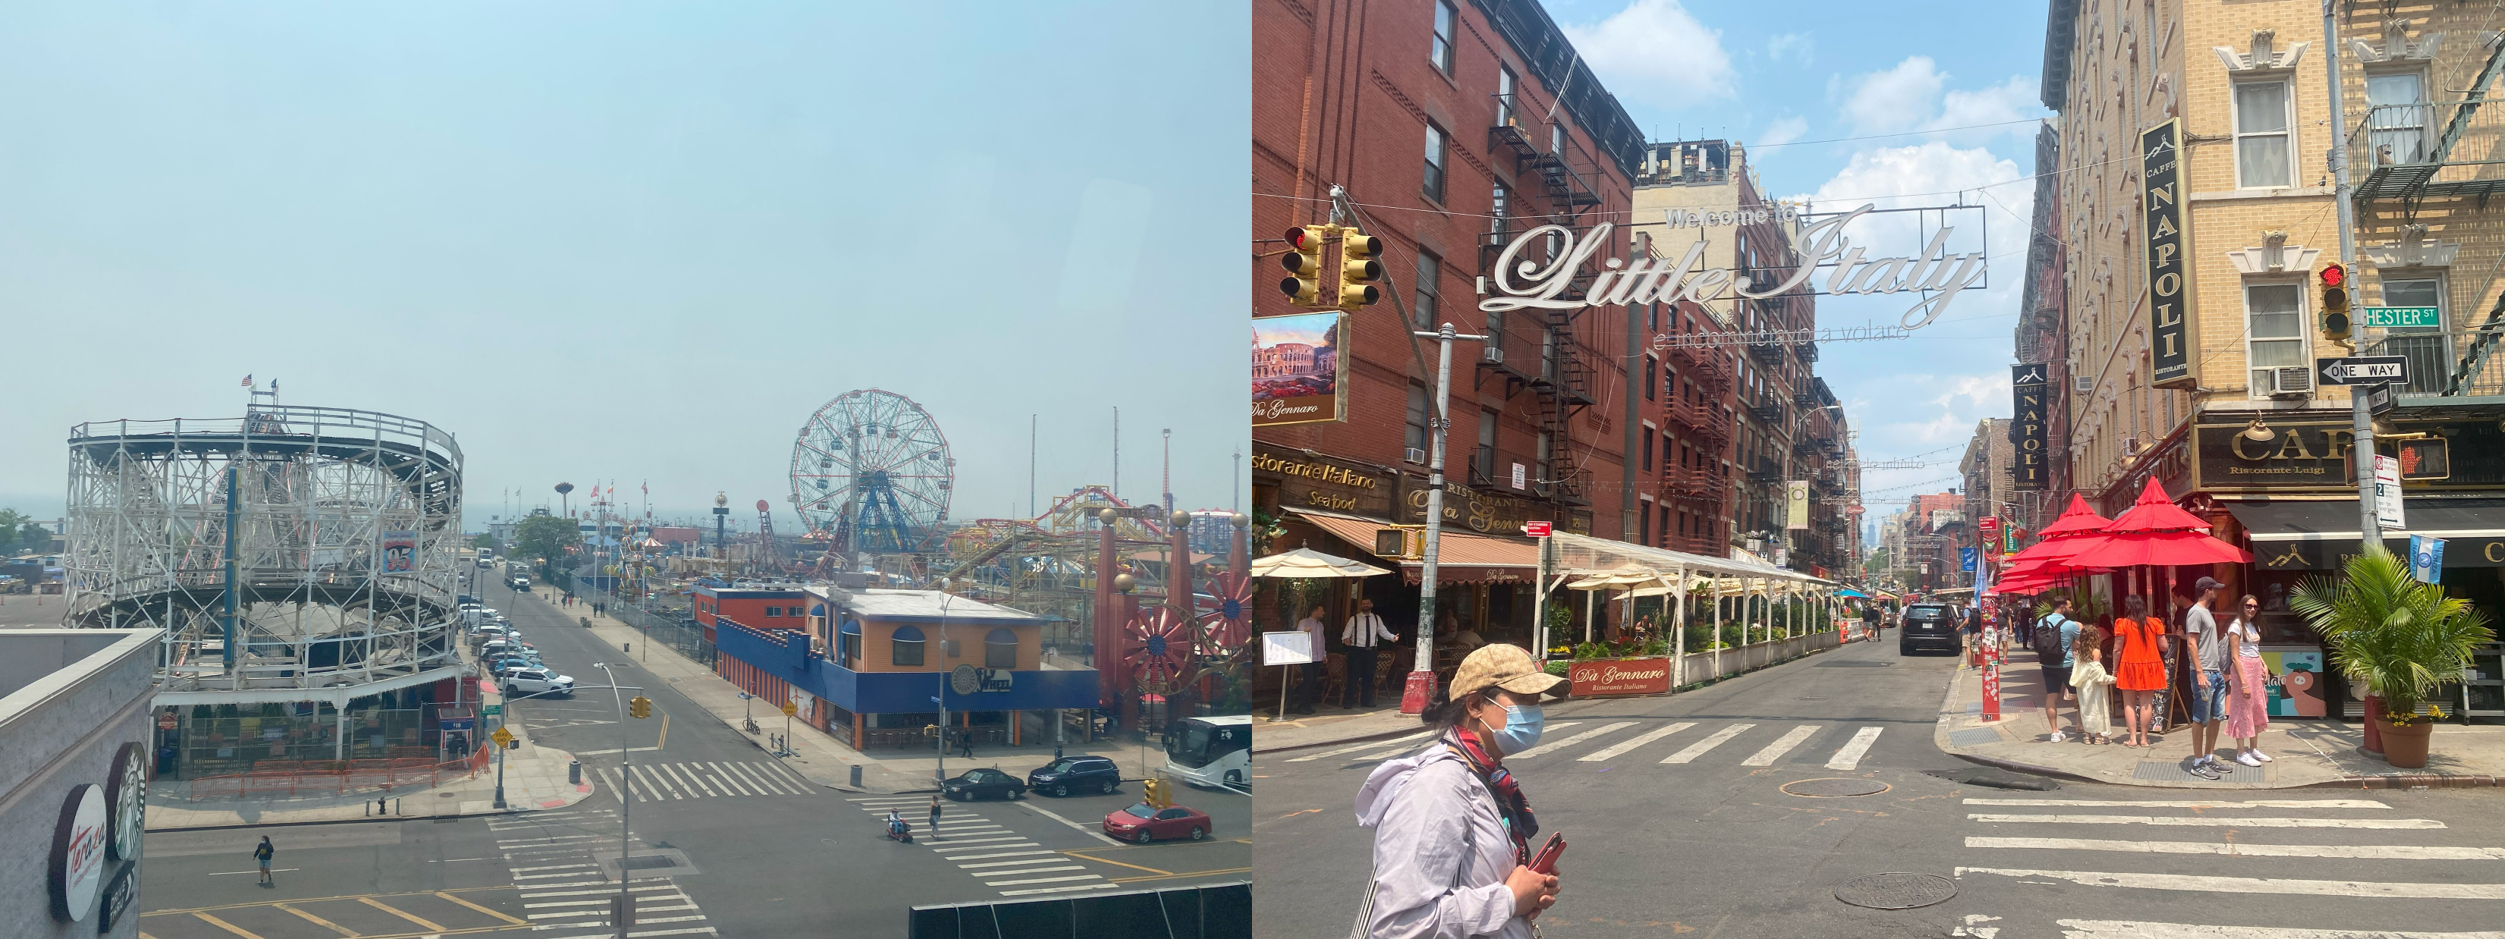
(1439, 123)
(756, 607)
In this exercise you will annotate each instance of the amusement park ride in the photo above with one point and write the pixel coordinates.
(871, 471)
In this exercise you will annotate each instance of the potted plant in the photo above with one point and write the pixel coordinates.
(2397, 638)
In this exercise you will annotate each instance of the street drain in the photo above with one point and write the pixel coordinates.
(1834, 787)
(1896, 890)
(649, 862)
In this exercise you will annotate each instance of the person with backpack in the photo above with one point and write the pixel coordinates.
(2052, 640)
(262, 854)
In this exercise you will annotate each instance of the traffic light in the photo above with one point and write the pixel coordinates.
(2334, 301)
(1303, 261)
(1153, 791)
(639, 706)
(1359, 271)
(2425, 458)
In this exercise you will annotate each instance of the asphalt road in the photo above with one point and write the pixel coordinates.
(1679, 826)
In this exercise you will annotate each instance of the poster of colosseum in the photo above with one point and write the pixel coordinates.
(1296, 369)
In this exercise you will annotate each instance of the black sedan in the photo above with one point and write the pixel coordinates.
(1076, 774)
(981, 783)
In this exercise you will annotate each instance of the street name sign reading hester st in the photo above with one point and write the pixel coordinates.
(2363, 369)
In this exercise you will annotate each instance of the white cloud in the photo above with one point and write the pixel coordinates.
(1780, 132)
(1797, 47)
(1898, 99)
(1655, 52)
(1914, 95)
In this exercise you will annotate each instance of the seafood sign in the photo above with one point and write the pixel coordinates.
(1604, 677)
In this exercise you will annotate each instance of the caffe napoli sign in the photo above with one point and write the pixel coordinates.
(1521, 283)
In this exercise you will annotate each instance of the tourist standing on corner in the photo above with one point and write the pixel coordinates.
(2096, 705)
(1363, 634)
(2209, 682)
(1452, 829)
(2138, 670)
(2248, 704)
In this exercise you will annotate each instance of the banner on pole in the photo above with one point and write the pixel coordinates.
(2426, 559)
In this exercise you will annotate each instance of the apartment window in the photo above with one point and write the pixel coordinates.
(1505, 83)
(1665, 523)
(2262, 146)
(2274, 326)
(1487, 445)
(2430, 362)
(2397, 117)
(1648, 453)
(1000, 649)
(1498, 200)
(1683, 523)
(1440, 51)
(1416, 439)
(1429, 270)
(1644, 524)
(1548, 353)
(1557, 138)
(1436, 145)
(1547, 444)
(906, 646)
(1652, 373)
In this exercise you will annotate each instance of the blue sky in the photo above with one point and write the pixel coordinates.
(636, 242)
(1800, 72)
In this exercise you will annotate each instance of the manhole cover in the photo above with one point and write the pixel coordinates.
(1834, 787)
(1896, 890)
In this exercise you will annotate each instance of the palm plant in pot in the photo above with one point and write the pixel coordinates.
(2398, 638)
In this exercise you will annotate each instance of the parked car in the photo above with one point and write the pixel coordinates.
(511, 663)
(979, 783)
(1929, 626)
(1076, 774)
(1144, 823)
(538, 681)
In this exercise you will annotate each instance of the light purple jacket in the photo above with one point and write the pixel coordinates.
(1440, 853)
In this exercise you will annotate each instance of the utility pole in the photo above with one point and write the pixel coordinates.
(2361, 413)
(1117, 453)
(1421, 687)
(626, 803)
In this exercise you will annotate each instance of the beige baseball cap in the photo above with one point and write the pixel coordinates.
(1505, 666)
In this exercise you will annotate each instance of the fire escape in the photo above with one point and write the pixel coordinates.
(1542, 360)
(2412, 152)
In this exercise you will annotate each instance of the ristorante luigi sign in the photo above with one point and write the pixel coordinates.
(2312, 454)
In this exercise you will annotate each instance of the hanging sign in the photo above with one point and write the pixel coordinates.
(1298, 374)
(76, 866)
(399, 552)
(2426, 559)
(2161, 189)
(1521, 283)
(1796, 504)
(2027, 429)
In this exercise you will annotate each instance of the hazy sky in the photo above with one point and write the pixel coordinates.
(636, 242)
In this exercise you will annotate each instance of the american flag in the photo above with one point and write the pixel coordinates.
(247, 381)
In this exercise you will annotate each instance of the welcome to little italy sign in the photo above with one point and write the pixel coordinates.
(1522, 283)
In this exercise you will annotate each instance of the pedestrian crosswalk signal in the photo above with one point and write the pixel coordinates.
(639, 706)
(1359, 271)
(1303, 261)
(2335, 324)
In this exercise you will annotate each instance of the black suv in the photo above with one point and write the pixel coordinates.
(1930, 625)
(1076, 774)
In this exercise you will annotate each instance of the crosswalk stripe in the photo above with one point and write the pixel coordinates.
(2128, 929)
(970, 857)
(1031, 860)
(735, 778)
(1640, 740)
(2209, 822)
(1850, 756)
(943, 850)
(885, 800)
(2397, 852)
(1368, 745)
(1108, 885)
(1782, 745)
(1570, 741)
(2193, 803)
(1039, 880)
(1698, 748)
(657, 773)
(611, 890)
(695, 772)
(684, 783)
(784, 775)
(2257, 885)
(751, 776)
(978, 839)
(1019, 872)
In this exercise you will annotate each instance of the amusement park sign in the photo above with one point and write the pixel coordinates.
(1521, 283)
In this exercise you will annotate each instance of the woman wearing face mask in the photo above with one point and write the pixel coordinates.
(1452, 830)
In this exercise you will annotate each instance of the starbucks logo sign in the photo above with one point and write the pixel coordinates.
(126, 798)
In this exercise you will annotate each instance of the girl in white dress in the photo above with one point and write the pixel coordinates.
(2094, 684)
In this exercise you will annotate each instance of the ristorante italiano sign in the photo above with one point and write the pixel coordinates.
(1831, 264)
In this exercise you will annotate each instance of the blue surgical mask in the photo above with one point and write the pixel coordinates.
(1521, 731)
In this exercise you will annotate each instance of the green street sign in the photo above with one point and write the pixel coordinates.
(2404, 317)
(492, 710)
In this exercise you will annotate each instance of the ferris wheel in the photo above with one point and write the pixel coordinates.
(871, 472)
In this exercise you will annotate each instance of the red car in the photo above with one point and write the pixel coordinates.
(1144, 823)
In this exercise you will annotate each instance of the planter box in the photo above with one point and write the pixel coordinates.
(1603, 678)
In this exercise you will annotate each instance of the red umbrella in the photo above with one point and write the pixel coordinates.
(2155, 532)
(2155, 512)
(2078, 519)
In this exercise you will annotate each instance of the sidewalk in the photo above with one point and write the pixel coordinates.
(534, 778)
(2309, 753)
(822, 758)
(1329, 725)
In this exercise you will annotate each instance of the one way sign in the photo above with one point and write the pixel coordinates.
(2363, 370)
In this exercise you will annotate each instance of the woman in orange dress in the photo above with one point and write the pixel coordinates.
(2139, 671)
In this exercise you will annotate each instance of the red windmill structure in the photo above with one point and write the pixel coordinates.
(1226, 624)
(1160, 650)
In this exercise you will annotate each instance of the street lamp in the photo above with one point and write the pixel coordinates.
(626, 795)
(1421, 685)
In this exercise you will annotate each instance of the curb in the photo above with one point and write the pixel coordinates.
(2410, 781)
(1258, 749)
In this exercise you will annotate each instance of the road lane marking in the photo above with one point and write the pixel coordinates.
(1850, 756)
(1093, 831)
(1640, 740)
(733, 779)
(1782, 745)
(2194, 803)
(318, 921)
(229, 927)
(1039, 880)
(1107, 885)
(969, 857)
(2249, 822)
(1570, 741)
(1698, 748)
(474, 906)
(1017, 872)
(696, 777)
(2397, 852)
(1368, 745)
(2257, 885)
(2129, 929)
(686, 781)
(395, 911)
(1032, 860)
(256, 870)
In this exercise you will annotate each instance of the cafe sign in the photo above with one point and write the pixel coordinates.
(2297, 456)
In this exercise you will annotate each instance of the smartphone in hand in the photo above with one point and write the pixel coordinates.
(1546, 860)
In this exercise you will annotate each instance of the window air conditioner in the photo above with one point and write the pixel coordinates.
(2295, 381)
(2082, 384)
(1413, 455)
(1494, 355)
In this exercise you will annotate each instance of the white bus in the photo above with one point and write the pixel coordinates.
(1211, 751)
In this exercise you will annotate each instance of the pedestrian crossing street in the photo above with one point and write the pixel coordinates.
(1012, 863)
(565, 893)
(2319, 862)
(662, 782)
(1836, 746)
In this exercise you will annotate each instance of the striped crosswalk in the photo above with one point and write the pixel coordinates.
(1011, 863)
(565, 891)
(2323, 863)
(1835, 746)
(662, 782)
